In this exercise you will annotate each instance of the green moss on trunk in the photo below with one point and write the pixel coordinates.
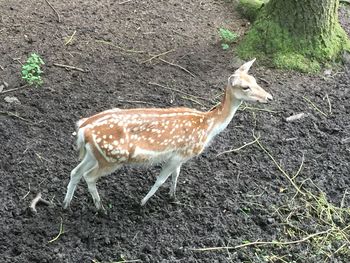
(296, 36)
(250, 8)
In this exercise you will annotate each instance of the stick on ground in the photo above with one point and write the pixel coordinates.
(315, 107)
(260, 243)
(158, 55)
(240, 148)
(10, 90)
(70, 39)
(178, 66)
(58, 15)
(37, 200)
(59, 233)
(69, 67)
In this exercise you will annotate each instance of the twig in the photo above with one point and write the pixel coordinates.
(157, 56)
(18, 60)
(70, 38)
(59, 234)
(257, 109)
(10, 90)
(11, 114)
(315, 107)
(176, 90)
(193, 100)
(278, 166)
(42, 158)
(121, 261)
(36, 200)
(264, 243)
(240, 148)
(136, 101)
(329, 104)
(264, 80)
(27, 192)
(58, 15)
(118, 47)
(69, 67)
(178, 66)
(127, 261)
(124, 2)
(342, 202)
(342, 246)
(300, 167)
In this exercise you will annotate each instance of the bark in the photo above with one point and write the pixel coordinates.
(297, 34)
(307, 19)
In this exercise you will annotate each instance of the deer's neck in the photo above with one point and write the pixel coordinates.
(223, 113)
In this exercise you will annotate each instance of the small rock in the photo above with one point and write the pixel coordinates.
(2, 88)
(327, 72)
(296, 117)
(12, 100)
(345, 140)
(271, 220)
(346, 58)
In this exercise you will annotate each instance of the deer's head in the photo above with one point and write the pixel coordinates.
(244, 87)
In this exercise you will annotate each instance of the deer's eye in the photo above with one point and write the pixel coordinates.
(245, 88)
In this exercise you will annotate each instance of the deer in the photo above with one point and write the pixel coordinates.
(169, 136)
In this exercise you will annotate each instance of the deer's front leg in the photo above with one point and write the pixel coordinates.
(167, 169)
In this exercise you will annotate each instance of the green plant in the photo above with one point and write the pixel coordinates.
(227, 37)
(31, 70)
(225, 46)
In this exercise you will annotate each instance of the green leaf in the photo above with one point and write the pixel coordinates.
(227, 36)
(225, 46)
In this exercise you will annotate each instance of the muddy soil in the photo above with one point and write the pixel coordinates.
(222, 199)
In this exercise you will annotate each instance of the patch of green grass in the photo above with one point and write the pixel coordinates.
(227, 37)
(31, 71)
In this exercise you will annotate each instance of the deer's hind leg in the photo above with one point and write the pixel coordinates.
(174, 177)
(84, 166)
(91, 177)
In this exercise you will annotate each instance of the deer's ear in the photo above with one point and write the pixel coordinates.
(232, 80)
(246, 66)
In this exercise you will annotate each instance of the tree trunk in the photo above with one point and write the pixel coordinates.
(296, 34)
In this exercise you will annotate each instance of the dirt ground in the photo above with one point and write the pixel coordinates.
(223, 199)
